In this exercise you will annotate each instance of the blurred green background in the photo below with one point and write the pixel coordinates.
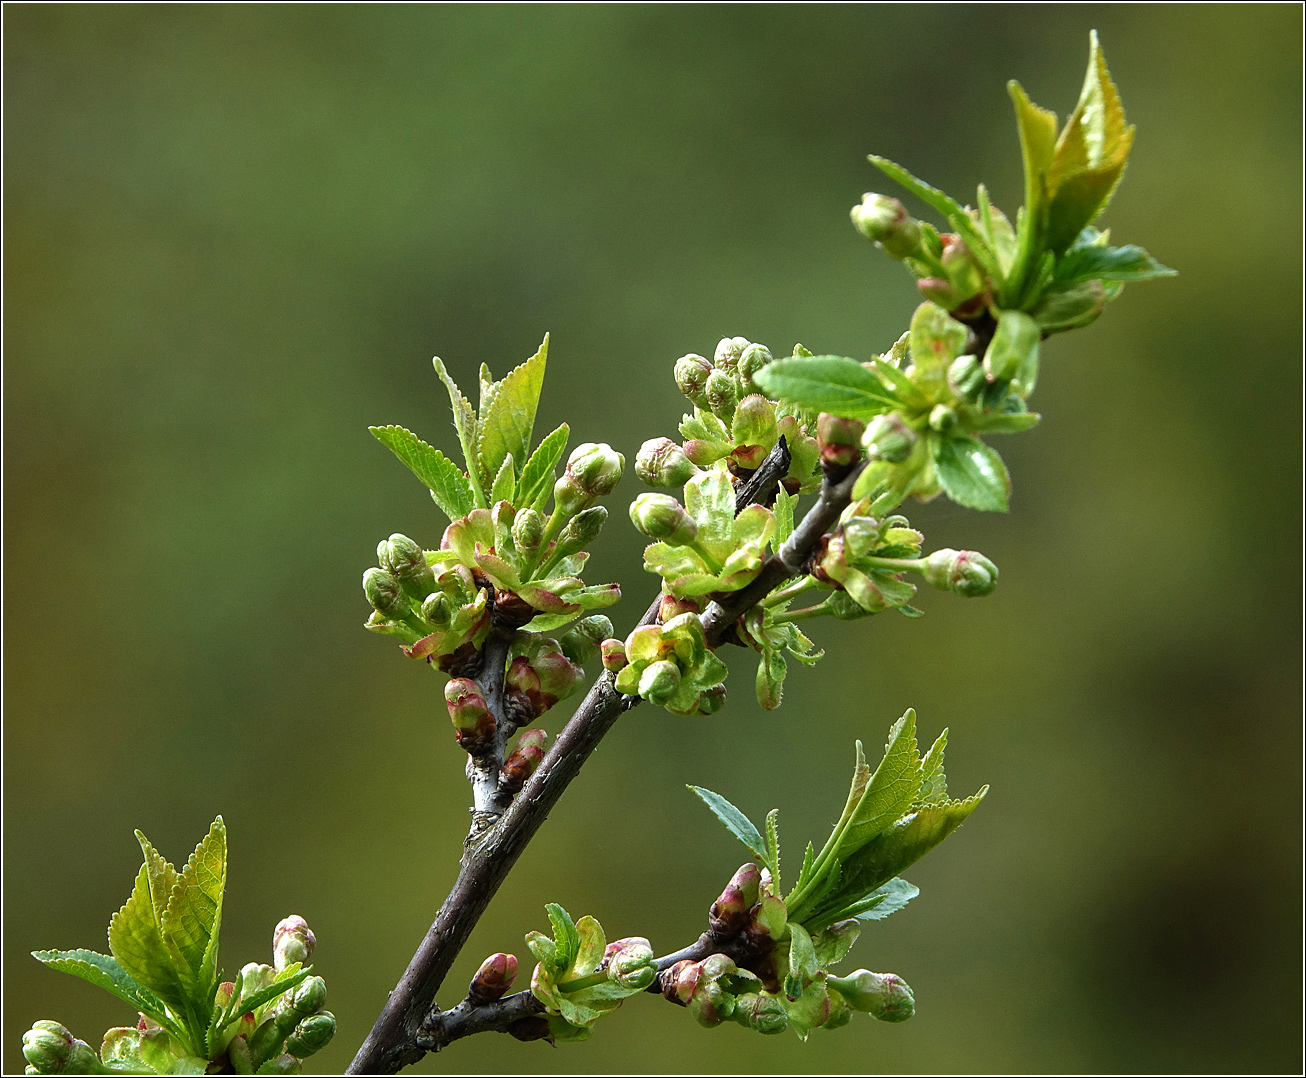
(236, 235)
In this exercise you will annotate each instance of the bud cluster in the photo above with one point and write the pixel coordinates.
(670, 665)
(539, 675)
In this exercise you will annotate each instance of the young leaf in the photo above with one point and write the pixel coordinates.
(971, 473)
(1096, 262)
(890, 792)
(736, 822)
(510, 417)
(565, 937)
(464, 421)
(193, 918)
(449, 487)
(537, 476)
(488, 389)
(887, 899)
(934, 783)
(784, 516)
(505, 483)
(831, 384)
(802, 961)
(137, 943)
(104, 972)
(286, 982)
(1038, 140)
(773, 846)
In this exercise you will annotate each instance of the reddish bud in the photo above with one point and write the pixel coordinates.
(614, 654)
(493, 979)
(672, 607)
(732, 911)
(524, 759)
(472, 722)
(839, 439)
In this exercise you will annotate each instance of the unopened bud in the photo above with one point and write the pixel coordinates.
(967, 572)
(1070, 308)
(307, 997)
(1014, 344)
(731, 912)
(671, 606)
(438, 610)
(613, 653)
(728, 352)
(961, 267)
(596, 467)
(527, 531)
(889, 439)
(722, 395)
(292, 941)
(662, 463)
(761, 1011)
(840, 440)
(523, 761)
(966, 377)
(630, 962)
(943, 417)
(558, 676)
(659, 682)
(49, 1048)
(493, 979)
(581, 642)
(311, 1035)
(691, 377)
(753, 359)
(660, 516)
(582, 530)
(704, 452)
(405, 560)
(472, 722)
(886, 996)
(885, 221)
(385, 594)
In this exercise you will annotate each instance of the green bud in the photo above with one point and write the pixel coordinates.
(49, 1048)
(614, 654)
(312, 1034)
(407, 563)
(728, 352)
(527, 531)
(659, 681)
(691, 377)
(967, 572)
(438, 610)
(752, 360)
(292, 941)
(886, 996)
(582, 530)
(581, 642)
(839, 439)
(307, 997)
(662, 463)
(861, 535)
(761, 1011)
(493, 979)
(472, 722)
(385, 594)
(523, 761)
(630, 962)
(889, 439)
(660, 516)
(1014, 345)
(943, 417)
(1071, 308)
(966, 377)
(962, 269)
(593, 470)
(722, 395)
(732, 911)
(885, 221)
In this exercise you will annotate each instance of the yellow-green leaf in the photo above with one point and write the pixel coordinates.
(464, 421)
(193, 917)
(449, 487)
(510, 416)
(136, 941)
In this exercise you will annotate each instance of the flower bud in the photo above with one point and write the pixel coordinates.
(886, 996)
(493, 979)
(292, 941)
(614, 655)
(659, 682)
(1070, 308)
(943, 417)
(385, 594)
(527, 531)
(961, 267)
(966, 377)
(662, 463)
(840, 440)
(593, 470)
(889, 439)
(472, 722)
(702, 452)
(722, 395)
(753, 359)
(438, 610)
(731, 912)
(698, 986)
(50, 1049)
(671, 606)
(660, 516)
(967, 572)
(885, 221)
(940, 291)
(860, 537)
(728, 353)
(582, 530)
(407, 563)
(1014, 344)
(761, 1011)
(523, 761)
(630, 962)
(312, 1034)
(691, 377)
(581, 642)
(307, 997)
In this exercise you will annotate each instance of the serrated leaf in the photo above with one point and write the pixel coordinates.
(735, 821)
(971, 473)
(268, 994)
(505, 483)
(934, 783)
(138, 945)
(809, 859)
(510, 418)
(773, 846)
(193, 918)
(449, 487)
(891, 791)
(784, 516)
(464, 421)
(1089, 262)
(565, 937)
(1038, 139)
(105, 972)
(892, 896)
(488, 388)
(537, 477)
(936, 340)
(833, 384)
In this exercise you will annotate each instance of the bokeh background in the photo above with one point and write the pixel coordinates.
(236, 235)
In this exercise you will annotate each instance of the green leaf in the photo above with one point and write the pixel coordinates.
(773, 846)
(488, 389)
(784, 516)
(449, 487)
(971, 473)
(589, 947)
(105, 972)
(137, 942)
(891, 791)
(464, 421)
(510, 417)
(936, 340)
(1038, 140)
(193, 918)
(953, 212)
(1006, 422)
(831, 384)
(1091, 262)
(934, 783)
(505, 483)
(802, 961)
(891, 896)
(537, 477)
(271, 992)
(736, 822)
(565, 937)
